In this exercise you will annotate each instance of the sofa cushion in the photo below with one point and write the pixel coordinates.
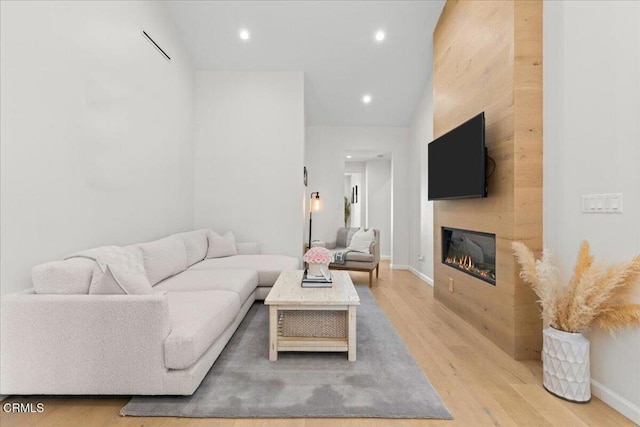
(268, 267)
(119, 281)
(248, 248)
(71, 276)
(197, 320)
(221, 246)
(196, 245)
(164, 258)
(358, 265)
(242, 282)
(355, 256)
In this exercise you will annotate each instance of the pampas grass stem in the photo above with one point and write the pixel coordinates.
(596, 294)
(619, 317)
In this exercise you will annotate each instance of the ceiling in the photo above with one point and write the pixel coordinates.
(331, 41)
(366, 155)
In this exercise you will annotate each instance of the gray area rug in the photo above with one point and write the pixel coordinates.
(384, 382)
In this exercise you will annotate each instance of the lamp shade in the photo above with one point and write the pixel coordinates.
(316, 202)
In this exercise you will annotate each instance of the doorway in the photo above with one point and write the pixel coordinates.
(368, 193)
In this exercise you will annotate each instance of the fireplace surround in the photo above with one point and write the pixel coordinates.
(504, 80)
(471, 252)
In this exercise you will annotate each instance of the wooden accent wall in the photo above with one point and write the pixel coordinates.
(488, 57)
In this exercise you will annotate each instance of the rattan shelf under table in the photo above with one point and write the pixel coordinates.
(312, 319)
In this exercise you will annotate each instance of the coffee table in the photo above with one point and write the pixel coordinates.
(312, 319)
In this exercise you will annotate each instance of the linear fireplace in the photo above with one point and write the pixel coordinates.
(472, 252)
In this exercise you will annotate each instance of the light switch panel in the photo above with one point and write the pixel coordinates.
(602, 203)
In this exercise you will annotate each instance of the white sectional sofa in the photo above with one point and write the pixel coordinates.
(58, 338)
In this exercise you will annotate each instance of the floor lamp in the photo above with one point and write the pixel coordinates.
(314, 206)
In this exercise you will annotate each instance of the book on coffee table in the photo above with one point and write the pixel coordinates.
(323, 281)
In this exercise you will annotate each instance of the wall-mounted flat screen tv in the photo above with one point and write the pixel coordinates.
(457, 162)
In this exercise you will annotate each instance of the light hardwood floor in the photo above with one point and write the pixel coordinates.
(479, 383)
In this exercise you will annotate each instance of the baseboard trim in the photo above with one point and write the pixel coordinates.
(422, 276)
(399, 267)
(385, 257)
(617, 402)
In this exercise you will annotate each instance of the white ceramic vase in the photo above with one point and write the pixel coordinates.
(565, 363)
(316, 269)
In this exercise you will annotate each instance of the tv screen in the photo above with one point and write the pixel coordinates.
(456, 165)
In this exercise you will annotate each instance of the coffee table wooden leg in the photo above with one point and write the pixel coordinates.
(273, 332)
(352, 333)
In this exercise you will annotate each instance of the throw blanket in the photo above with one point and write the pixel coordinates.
(340, 256)
(129, 260)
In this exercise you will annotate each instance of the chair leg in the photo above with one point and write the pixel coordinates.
(370, 277)
(377, 270)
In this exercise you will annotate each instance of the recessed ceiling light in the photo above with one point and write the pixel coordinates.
(349, 156)
(245, 35)
(366, 99)
(380, 35)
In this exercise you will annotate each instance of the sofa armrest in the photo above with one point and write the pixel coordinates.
(248, 248)
(374, 248)
(81, 344)
(331, 245)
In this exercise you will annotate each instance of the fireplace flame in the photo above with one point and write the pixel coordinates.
(465, 262)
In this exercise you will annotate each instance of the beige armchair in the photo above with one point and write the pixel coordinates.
(356, 261)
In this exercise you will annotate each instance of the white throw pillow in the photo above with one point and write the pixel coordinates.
(195, 244)
(164, 258)
(361, 241)
(116, 281)
(221, 246)
(71, 276)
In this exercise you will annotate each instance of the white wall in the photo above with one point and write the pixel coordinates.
(249, 148)
(325, 151)
(379, 202)
(592, 145)
(421, 210)
(95, 130)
